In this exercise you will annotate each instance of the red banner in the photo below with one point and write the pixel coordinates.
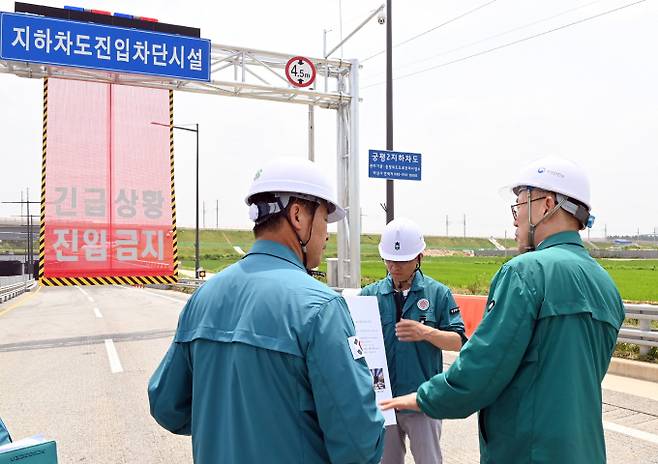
(108, 182)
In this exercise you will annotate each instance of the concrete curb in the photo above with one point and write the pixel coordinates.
(635, 369)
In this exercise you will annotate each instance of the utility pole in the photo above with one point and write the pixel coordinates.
(29, 259)
(390, 197)
(605, 231)
(464, 225)
(196, 204)
(30, 263)
(447, 225)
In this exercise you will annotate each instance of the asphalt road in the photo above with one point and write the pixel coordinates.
(59, 376)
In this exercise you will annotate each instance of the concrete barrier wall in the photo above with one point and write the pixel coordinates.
(615, 254)
(625, 254)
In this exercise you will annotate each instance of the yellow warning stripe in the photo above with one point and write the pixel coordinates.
(174, 234)
(123, 280)
(42, 228)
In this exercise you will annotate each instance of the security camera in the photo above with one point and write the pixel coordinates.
(381, 18)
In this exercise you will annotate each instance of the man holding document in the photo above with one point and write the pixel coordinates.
(419, 319)
(534, 366)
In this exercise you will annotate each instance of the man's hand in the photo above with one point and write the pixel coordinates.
(408, 330)
(401, 402)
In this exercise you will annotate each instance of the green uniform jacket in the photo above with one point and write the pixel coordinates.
(260, 370)
(412, 363)
(534, 365)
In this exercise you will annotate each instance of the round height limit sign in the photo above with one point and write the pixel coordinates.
(300, 71)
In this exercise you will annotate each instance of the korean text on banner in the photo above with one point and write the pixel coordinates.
(61, 42)
(108, 196)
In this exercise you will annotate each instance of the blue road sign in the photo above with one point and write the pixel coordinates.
(384, 164)
(37, 39)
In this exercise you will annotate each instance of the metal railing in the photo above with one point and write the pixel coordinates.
(8, 292)
(643, 335)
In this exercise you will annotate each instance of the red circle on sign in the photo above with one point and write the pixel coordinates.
(294, 80)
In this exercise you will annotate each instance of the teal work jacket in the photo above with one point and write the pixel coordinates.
(534, 366)
(412, 363)
(4, 434)
(260, 370)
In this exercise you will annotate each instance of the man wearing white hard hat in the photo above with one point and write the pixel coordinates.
(419, 318)
(265, 366)
(534, 366)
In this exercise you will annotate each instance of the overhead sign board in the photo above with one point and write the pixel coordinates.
(383, 164)
(37, 39)
(300, 71)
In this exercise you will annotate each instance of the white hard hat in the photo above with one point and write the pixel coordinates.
(402, 240)
(285, 177)
(568, 180)
(555, 175)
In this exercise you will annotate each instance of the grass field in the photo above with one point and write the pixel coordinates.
(637, 279)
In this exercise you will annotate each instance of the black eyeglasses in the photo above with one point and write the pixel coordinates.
(515, 208)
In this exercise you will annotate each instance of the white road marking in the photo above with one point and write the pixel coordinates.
(639, 434)
(239, 250)
(98, 313)
(113, 356)
(177, 300)
(85, 293)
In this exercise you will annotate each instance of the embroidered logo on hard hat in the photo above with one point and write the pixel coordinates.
(397, 246)
(423, 304)
(540, 170)
(258, 173)
(355, 347)
(491, 305)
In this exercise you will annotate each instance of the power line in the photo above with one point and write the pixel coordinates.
(509, 44)
(432, 29)
(500, 34)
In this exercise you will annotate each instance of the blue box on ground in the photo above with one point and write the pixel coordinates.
(39, 453)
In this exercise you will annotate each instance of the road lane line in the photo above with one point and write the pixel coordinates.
(97, 313)
(113, 356)
(177, 300)
(639, 434)
(85, 293)
(22, 300)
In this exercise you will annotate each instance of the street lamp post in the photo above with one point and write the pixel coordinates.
(196, 230)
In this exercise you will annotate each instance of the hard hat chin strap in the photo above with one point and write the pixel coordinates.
(531, 227)
(302, 243)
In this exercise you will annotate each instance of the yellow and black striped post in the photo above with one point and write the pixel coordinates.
(174, 234)
(42, 225)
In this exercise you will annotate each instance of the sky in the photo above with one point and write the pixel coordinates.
(586, 92)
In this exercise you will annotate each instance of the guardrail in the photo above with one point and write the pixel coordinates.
(10, 291)
(643, 335)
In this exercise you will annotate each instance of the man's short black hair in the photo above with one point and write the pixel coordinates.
(275, 221)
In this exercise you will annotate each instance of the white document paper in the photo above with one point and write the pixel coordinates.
(24, 443)
(365, 314)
